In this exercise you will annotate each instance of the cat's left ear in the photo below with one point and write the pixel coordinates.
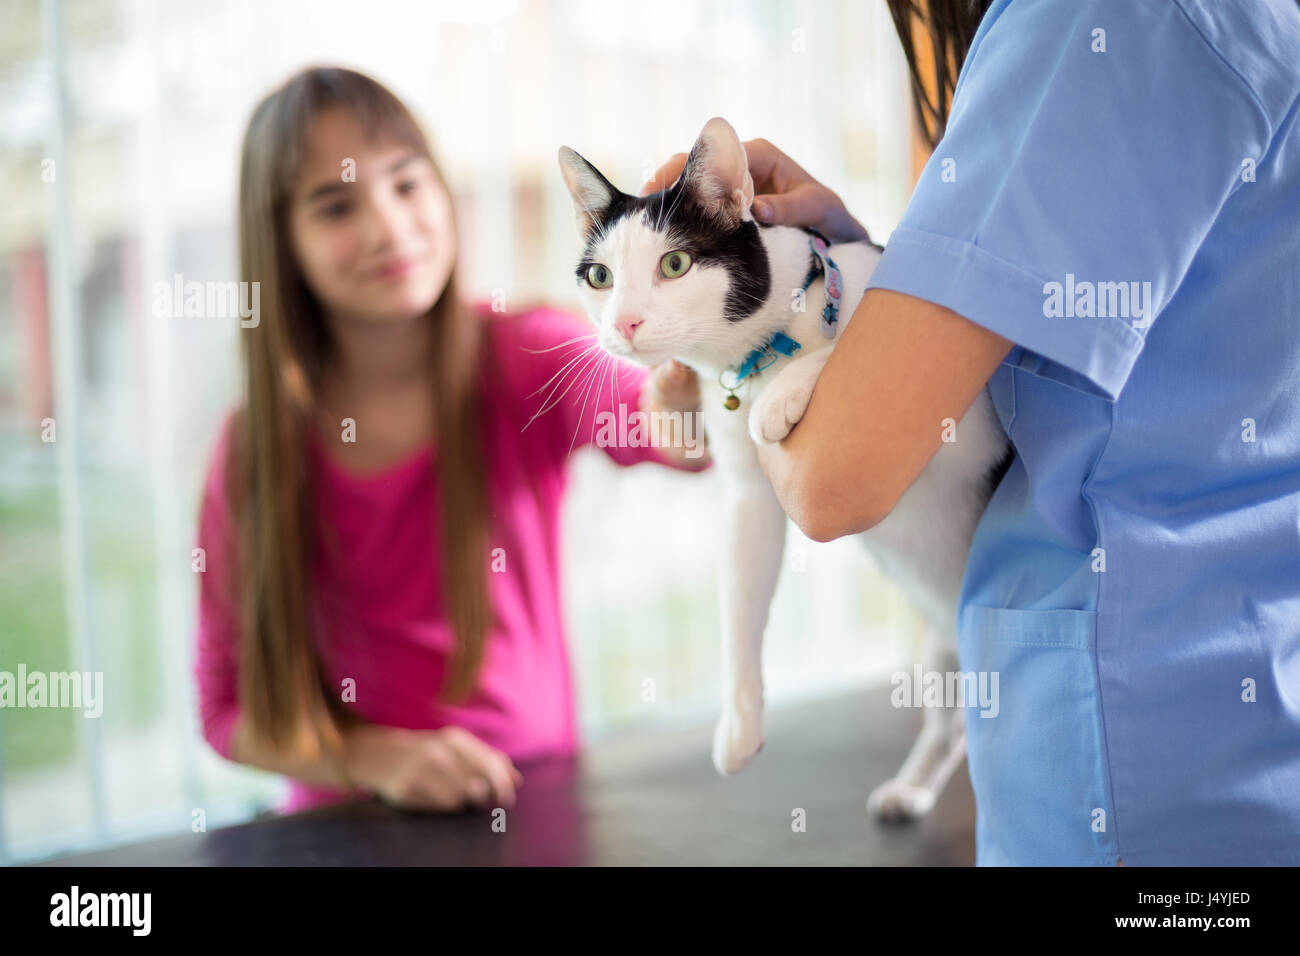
(717, 173)
(592, 193)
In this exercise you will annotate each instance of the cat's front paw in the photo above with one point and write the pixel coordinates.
(896, 801)
(736, 738)
(778, 409)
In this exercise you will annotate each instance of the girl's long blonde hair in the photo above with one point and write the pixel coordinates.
(285, 701)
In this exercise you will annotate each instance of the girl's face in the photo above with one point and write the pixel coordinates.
(370, 224)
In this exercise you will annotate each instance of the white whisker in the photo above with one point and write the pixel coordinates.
(599, 361)
(567, 364)
(547, 403)
(579, 338)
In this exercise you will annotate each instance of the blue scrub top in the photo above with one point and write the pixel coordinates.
(1135, 580)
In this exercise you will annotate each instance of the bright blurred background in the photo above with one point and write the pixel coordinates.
(121, 122)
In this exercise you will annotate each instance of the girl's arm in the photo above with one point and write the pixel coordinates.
(336, 771)
(216, 663)
(583, 396)
(216, 658)
(433, 769)
(442, 769)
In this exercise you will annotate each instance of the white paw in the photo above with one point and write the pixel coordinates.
(736, 738)
(778, 410)
(896, 800)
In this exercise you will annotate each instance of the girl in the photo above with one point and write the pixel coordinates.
(1107, 236)
(380, 609)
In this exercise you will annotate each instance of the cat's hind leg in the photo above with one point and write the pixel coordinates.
(937, 752)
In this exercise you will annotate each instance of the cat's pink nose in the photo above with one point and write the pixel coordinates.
(627, 325)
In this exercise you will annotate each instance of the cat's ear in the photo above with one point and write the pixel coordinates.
(717, 173)
(591, 192)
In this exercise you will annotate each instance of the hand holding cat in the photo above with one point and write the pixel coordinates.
(784, 193)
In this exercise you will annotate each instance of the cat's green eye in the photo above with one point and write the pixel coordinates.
(599, 277)
(674, 264)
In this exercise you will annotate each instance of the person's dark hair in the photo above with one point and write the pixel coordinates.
(946, 27)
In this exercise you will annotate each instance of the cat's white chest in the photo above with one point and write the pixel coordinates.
(727, 428)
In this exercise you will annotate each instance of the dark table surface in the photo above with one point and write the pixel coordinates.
(637, 798)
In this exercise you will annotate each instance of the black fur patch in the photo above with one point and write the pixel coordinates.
(676, 214)
(999, 470)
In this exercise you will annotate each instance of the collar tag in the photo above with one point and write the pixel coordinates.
(824, 265)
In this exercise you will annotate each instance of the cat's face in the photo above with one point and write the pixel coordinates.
(675, 273)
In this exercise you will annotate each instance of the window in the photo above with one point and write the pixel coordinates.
(125, 175)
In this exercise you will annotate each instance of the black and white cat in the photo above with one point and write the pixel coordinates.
(687, 273)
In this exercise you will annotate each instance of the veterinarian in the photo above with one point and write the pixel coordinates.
(1107, 235)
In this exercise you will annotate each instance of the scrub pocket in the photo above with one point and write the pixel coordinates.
(1037, 766)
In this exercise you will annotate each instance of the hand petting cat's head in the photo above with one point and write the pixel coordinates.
(671, 274)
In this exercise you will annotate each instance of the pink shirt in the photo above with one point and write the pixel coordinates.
(377, 610)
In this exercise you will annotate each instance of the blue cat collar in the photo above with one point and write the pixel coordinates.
(821, 264)
(778, 344)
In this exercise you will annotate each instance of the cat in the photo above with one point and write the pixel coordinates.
(688, 273)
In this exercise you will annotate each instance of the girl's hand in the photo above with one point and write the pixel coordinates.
(674, 387)
(444, 769)
(784, 194)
